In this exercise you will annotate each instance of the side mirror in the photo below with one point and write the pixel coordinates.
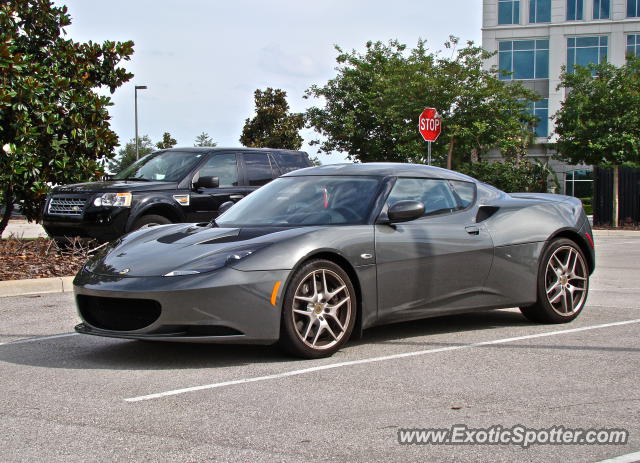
(405, 211)
(225, 206)
(207, 182)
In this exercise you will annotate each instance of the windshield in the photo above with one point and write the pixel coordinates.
(164, 166)
(312, 200)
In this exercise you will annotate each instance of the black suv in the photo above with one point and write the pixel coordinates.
(168, 186)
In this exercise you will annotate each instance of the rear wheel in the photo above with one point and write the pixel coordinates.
(563, 284)
(150, 220)
(319, 310)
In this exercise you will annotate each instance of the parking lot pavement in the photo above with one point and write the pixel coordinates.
(64, 396)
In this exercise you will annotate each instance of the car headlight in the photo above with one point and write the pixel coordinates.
(113, 200)
(216, 260)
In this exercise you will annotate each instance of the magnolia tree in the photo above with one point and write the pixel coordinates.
(273, 126)
(54, 126)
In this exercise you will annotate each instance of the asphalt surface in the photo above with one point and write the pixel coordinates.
(63, 398)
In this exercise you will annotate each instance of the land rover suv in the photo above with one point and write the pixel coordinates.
(167, 186)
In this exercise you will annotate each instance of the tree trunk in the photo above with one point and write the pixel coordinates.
(474, 155)
(450, 153)
(6, 216)
(616, 199)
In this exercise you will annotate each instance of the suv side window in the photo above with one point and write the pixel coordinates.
(259, 168)
(436, 195)
(223, 166)
(289, 162)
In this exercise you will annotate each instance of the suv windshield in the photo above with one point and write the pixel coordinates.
(312, 200)
(163, 166)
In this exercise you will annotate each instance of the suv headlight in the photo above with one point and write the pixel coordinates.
(113, 200)
(216, 260)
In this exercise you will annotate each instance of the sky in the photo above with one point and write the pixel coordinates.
(202, 60)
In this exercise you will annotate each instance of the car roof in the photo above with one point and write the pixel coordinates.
(382, 169)
(207, 149)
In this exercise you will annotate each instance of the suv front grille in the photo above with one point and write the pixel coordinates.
(66, 205)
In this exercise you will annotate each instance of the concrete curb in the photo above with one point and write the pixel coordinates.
(635, 233)
(36, 286)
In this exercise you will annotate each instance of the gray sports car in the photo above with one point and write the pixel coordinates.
(320, 254)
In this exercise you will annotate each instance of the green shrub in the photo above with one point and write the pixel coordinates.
(511, 175)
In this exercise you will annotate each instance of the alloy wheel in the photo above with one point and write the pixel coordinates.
(566, 281)
(322, 309)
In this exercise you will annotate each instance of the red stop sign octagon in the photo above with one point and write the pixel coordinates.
(430, 124)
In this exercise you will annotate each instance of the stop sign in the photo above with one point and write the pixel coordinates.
(430, 124)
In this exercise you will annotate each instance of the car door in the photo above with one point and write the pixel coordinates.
(436, 263)
(205, 202)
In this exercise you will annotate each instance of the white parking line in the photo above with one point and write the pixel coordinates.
(628, 458)
(372, 360)
(41, 338)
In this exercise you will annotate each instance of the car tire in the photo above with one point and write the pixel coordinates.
(150, 220)
(562, 286)
(319, 310)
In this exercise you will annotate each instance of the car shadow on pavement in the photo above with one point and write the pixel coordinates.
(88, 352)
(402, 333)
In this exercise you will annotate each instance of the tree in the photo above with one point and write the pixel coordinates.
(127, 154)
(273, 126)
(54, 127)
(599, 120)
(371, 107)
(511, 175)
(204, 140)
(166, 142)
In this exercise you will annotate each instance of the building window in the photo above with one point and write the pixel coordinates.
(600, 9)
(633, 8)
(582, 51)
(575, 10)
(508, 11)
(579, 183)
(539, 11)
(524, 59)
(633, 45)
(540, 109)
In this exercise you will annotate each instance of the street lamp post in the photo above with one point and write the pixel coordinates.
(138, 87)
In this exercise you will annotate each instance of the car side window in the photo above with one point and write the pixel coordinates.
(289, 162)
(465, 192)
(223, 166)
(436, 195)
(259, 169)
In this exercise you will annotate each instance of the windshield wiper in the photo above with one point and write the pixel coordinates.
(140, 179)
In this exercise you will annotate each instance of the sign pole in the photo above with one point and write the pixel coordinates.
(429, 153)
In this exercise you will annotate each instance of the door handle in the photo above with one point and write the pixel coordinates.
(236, 197)
(472, 230)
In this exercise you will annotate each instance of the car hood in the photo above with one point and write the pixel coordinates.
(114, 186)
(159, 250)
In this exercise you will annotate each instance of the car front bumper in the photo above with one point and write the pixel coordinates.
(224, 306)
(103, 224)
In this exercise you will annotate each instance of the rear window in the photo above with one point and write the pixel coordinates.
(289, 162)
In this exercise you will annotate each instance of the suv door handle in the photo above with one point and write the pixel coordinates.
(472, 230)
(236, 197)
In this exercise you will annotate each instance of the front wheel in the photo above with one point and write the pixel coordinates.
(319, 310)
(563, 284)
